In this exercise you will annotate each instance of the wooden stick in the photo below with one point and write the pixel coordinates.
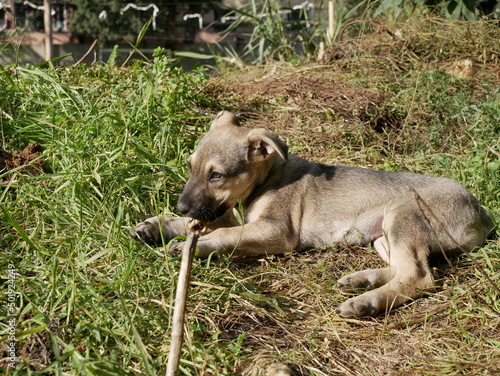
(331, 22)
(181, 298)
(47, 24)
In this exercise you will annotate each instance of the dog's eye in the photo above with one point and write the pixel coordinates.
(215, 176)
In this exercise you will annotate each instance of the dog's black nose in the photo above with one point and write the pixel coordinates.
(183, 207)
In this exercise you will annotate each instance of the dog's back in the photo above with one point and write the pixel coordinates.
(347, 204)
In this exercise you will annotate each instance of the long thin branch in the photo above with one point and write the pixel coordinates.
(181, 298)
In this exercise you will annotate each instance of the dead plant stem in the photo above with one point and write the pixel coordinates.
(428, 210)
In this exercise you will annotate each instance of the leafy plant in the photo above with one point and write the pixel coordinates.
(270, 33)
(106, 21)
(455, 9)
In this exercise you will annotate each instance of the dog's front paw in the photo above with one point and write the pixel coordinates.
(176, 249)
(203, 248)
(147, 232)
(357, 307)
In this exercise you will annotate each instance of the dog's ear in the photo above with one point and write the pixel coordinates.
(262, 144)
(224, 118)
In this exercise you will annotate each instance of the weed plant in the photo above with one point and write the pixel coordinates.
(271, 31)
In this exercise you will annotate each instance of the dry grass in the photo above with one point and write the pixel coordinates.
(449, 332)
(389, 100)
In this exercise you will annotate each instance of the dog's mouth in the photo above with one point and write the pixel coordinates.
(205, 213)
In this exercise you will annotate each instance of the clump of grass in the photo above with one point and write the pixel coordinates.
(116, 140)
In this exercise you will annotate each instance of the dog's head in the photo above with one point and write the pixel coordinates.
(229, 162)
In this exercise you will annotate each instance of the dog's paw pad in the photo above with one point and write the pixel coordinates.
(146, 233)
(176, 249)
(353, 284)
(356, 307)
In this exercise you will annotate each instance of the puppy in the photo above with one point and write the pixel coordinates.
(290, 204)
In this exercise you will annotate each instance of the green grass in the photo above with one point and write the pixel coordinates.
(115, 141)
(91, 300)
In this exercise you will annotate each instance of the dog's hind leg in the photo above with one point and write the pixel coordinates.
(391, 295)
(365, 279)
(405, 246)
(370, 278)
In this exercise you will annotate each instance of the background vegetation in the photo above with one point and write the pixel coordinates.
(115, 26)
(420, 96)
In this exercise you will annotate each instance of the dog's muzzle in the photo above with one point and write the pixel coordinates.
(203, 213)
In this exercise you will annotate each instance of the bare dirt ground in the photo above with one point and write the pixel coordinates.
(344, 101)
(29, 158)
(315, 109)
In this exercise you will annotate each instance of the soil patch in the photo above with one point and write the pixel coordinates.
(29, 160)
(313, 107)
